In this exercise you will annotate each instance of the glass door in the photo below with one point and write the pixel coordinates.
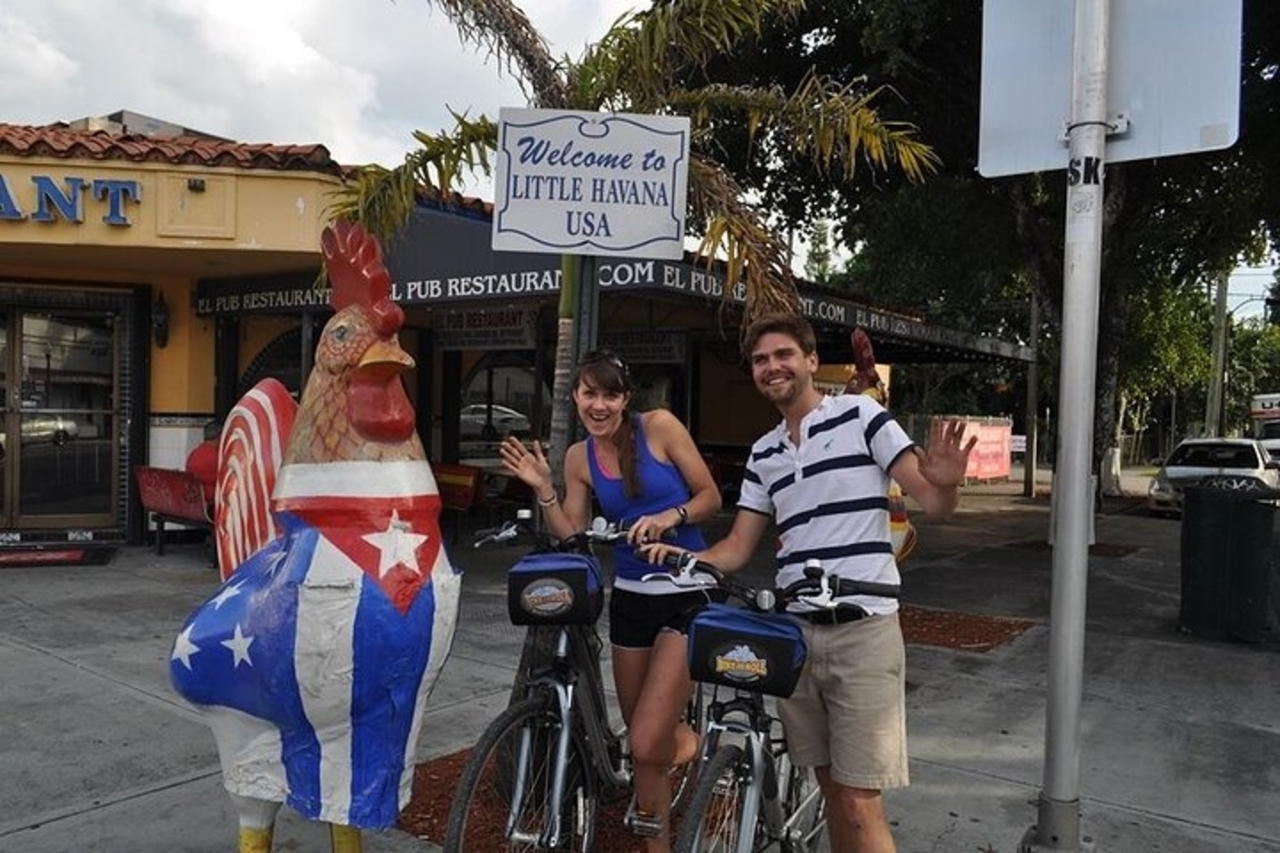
(60, 419)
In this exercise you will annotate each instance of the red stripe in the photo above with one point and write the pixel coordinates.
(248, 462)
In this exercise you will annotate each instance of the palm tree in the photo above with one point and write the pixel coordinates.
(642, 65)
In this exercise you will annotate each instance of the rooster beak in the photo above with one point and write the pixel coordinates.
(386, 352)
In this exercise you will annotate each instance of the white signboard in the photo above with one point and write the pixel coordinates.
(591, 183)
(1173, 80)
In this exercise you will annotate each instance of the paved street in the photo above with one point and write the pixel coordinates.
(1180, 733)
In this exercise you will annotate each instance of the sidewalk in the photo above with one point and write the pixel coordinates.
(1180, 735)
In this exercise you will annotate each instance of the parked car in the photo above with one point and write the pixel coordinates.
(46, 429)
(475, 419)
(1233, 463)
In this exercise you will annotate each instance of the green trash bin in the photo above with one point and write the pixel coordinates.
(1230, 569)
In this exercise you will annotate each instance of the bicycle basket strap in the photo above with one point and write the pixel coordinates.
(555, 589)
(760, 652)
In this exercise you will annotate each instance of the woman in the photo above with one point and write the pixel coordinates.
(647, 475)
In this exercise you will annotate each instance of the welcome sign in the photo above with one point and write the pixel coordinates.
(591, 183)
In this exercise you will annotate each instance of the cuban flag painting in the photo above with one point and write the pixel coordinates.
(313, 661)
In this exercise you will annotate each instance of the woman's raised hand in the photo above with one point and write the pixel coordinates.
(530, 466)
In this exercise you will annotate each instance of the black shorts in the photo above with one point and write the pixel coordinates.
(636, 619)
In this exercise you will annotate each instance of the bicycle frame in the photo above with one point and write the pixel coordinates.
(561, 679)
(745, 716)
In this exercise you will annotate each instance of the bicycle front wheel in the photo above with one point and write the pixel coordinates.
(712, 822)
(502, 802)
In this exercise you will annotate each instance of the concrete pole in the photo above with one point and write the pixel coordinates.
(1033, 396)
(1058, 826)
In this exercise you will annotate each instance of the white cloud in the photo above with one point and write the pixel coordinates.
(356, 77)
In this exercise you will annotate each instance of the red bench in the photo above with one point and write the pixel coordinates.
(171, 496)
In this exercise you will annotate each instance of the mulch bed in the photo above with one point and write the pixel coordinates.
(434, 781)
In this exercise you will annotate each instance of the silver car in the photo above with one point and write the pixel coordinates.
(1232, 463)
(475, 421)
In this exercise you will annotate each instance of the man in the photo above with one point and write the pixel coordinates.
(822, 473)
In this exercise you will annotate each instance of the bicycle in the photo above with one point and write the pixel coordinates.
(749, 797)
(544, 765)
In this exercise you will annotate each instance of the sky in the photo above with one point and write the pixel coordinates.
(356, 76)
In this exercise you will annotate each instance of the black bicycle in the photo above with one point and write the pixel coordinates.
(544, 765)
(749, 797)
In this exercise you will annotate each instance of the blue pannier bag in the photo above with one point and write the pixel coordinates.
(760, 652)
(555, 589)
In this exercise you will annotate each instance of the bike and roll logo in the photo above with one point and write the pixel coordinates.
(739, 663)
(547, 598)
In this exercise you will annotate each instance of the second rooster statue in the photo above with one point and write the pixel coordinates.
(313, 662)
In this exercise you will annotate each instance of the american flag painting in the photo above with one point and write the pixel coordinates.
(313, 660)
(250, 452)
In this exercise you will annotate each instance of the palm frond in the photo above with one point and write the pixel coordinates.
(734, 233)
(634, 64)
(381, 199)
(828, 122)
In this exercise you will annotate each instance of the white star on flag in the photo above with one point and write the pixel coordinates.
(183, 648)
(397, 545)
(226, 595)
(239, 645)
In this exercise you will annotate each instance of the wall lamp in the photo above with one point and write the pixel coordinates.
(160, 322)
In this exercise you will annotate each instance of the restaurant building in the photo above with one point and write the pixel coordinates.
(150, 275)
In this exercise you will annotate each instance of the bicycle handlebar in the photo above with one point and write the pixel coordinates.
(600, 531)
(817, 588)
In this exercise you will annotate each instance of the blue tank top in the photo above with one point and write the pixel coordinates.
(661, 488)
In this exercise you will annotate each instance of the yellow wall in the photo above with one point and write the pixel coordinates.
(243, 222)
(240, 209)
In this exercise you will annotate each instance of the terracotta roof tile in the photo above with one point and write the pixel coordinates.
(59, 140)
(453, 200)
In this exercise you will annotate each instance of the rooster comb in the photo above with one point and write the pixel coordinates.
(353, 260)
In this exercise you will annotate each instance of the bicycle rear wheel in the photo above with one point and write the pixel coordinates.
(483, 816)
(712, 821)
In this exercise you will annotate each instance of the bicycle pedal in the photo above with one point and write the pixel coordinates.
(645, 825)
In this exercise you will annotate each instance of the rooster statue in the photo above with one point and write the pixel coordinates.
(866, 380)
(313, 661)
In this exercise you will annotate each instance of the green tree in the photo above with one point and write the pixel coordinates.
(817, 265)
(961, 246)
(654, 62)
(1253, 368)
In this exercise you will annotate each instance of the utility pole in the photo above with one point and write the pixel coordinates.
(1058, 818)
(1029, 458)
(1213, 400)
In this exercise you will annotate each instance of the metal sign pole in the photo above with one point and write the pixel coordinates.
(1059, 810)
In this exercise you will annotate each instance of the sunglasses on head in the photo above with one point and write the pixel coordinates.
(603, 356)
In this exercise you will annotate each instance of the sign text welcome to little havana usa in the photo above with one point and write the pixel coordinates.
(588, 183)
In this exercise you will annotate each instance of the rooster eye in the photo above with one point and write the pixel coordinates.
(340, 333)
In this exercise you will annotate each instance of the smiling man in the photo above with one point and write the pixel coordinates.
(822, 474)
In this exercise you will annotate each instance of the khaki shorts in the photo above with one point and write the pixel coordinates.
(849, 709)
